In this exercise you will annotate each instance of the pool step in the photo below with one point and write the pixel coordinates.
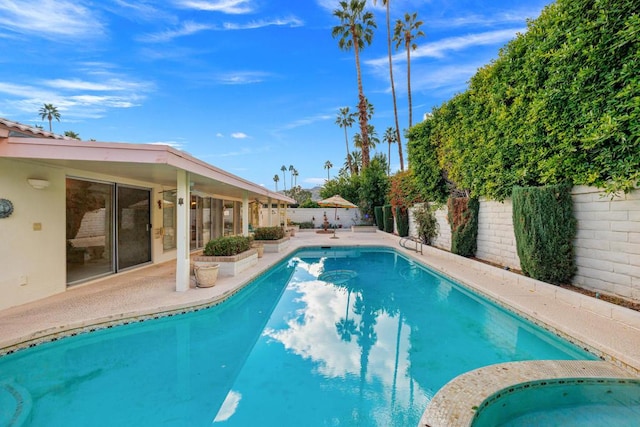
(15, 405)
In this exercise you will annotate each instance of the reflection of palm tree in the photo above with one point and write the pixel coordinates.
(346, 327)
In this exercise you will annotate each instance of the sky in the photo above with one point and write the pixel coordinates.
(245, 85)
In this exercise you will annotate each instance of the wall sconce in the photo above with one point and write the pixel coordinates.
(313, 218)
(38, 184)
(159, 204)
(181, 201)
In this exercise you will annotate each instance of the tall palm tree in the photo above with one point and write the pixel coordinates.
(328, 165)
(404, 34)
(49, 112)
(356, 31)
(393, 85)
(295, 177)
(291, 169)
(284, 179)
(276, 178)
(356, 160)
(346, 119)
(389, 138)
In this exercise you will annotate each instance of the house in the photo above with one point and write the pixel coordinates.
(72, 211)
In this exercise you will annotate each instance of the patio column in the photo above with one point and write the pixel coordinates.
(269, 220)
(245, 213)
(284, 206)
(182, 232)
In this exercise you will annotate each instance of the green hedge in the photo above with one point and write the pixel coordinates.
(226, 246)
(545, 228)
(402, 221)
(268, 233)
(387, 218)
(462, 215)
(559, 104)
(377, 213)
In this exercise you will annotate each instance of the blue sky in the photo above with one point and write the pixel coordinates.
(246, 85)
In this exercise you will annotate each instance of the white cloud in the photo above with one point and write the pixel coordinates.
(186, 29)
(239, 135)
(232, 7)
(52, 19)
(291, 22)
(439, 48)
(240, 77)
(219, 135)
(307, 121)
(316, 181)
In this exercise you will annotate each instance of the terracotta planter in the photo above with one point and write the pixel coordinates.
(206, 275)
(260, 249)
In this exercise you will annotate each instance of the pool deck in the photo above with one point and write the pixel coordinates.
(610, 331)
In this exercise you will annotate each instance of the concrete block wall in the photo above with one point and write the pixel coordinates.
(340, 217)
(443, 240)
(496, 238)
(607, 244)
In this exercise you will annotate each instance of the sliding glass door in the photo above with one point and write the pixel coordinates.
(133, 226)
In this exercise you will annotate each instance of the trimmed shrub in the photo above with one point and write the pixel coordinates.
(306, 225)
(387, 217)
(463, 218)
(227, 245)
(426, 223)
(268, 233)
(402, 221)
(545, 228)
(377, 213)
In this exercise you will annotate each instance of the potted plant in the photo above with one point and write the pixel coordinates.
(206, 274)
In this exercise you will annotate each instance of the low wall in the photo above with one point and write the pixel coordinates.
(607, 243)
(340, 217)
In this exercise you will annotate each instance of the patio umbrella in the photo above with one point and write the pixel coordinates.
(336, 202)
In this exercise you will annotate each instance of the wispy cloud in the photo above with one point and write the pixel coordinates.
(239, 135)
(186, 29)
(307, 121)
(440, 48)
(476, 20)
(290, 22)
(240, 77)
(139, 10)
(232, 7)
(50, 19)
(174, 144)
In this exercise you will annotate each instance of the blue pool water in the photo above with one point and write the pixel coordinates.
(330, 337)
(567, 402)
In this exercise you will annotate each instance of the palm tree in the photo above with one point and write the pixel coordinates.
(356, 159)
(404, 34)
(346, 119)
(276, 178)
(284, 179)
(49, 112)
(71, 134)
(389, 138)
(356, 31)
(295, 176)
(328, 165)
(393, 85)
(291, 169)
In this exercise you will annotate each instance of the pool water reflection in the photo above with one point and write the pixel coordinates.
(370, 349)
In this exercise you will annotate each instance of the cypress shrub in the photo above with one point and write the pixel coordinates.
(402, 221)
(462, 215)
(377, 213)
(387, 218)
(545, 228)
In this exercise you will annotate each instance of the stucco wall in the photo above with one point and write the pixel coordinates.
(340, 216)
(32, 260)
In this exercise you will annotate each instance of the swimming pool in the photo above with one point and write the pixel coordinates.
(369, 345)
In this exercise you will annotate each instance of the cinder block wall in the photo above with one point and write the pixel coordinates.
(496, 238)
(443, 240)
(607, 245)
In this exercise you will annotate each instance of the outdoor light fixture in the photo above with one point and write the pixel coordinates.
(181, 201)
(38, 184)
